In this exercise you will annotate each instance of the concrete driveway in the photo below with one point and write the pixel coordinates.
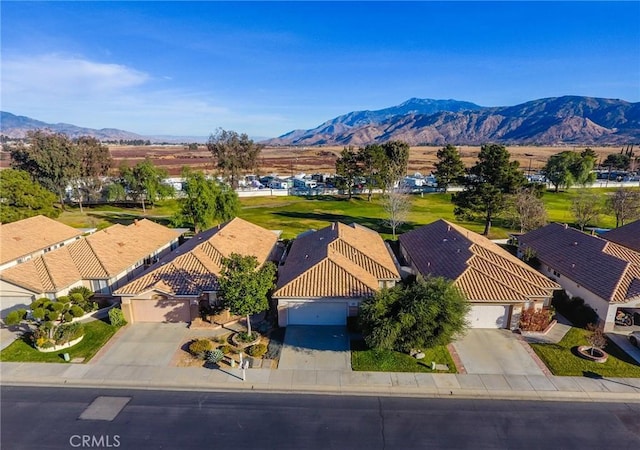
(143, 344)
(315, 348)
(495, 352)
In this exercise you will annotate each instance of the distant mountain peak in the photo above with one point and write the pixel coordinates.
(556, 120)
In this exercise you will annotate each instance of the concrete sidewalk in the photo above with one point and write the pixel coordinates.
(522, 387)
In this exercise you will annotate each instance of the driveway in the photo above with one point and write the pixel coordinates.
(315, 348)
(143, 344)
(495, 352)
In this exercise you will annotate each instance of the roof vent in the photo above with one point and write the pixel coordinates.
(448, 227)
(306, 256)
(566, 226)
(573, 266)
(444, 240)
(458, 251)
(575, 243)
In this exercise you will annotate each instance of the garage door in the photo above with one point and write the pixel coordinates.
(488, 316)
(317, 313)
(161, 310)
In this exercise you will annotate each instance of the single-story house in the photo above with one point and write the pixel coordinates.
(29, 238)
(102, 262)
(605, 274)
(627, 235)
(496, 283)
(327, 273)
(172, 289)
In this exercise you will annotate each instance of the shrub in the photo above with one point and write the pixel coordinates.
(63, 299)
(38, 313)
(51, 315)
(76, 311)
(244, 336)
(39, 303)
(46, 344)
(56, 306)
(67, 317)
(116, 318)
(535, 320)
(68, 332)
(76, 299)
(213, 356)
(198, 347)
(15, 317)
(225, 349)
(84, 291)
(257, 350)
(574, 309)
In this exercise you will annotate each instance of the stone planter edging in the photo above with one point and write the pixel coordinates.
(238, 343)
(539, 333)
(585, 352)
(56, 348)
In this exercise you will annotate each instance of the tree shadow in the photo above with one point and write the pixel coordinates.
(374, 223)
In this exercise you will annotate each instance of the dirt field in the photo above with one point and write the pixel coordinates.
(286, 161)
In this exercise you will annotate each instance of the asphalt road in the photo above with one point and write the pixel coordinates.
(64, 418)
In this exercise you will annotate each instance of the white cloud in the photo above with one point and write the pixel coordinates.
(59, 88)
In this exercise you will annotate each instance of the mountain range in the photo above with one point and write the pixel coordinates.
(548, 121)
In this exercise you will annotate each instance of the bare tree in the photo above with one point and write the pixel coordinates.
(396, 203)
(586, 208)
(596, 338)
(526, 210)
(625, 205)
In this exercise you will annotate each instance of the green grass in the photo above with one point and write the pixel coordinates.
(370, 360)
(97, 333)
(561, 359)
(295, 214)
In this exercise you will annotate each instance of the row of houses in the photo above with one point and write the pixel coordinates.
(325, 274)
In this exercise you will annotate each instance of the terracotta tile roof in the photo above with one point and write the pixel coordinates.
(628, 236)
(605, 268)
(482, 269)
(194, 267)
(104, 254)
(31, 235)
(337, 261)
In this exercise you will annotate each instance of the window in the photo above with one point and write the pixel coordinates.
(100, 286)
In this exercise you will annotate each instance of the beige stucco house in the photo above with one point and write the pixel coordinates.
(172, 289)
(497, 284)
(605, 274)
(327, 273)
(102, 262)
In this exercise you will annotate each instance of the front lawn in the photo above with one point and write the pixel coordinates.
(97, 333)
(371, 360)
(561, 359)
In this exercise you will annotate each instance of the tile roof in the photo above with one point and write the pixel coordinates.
(627, 235)
(194, 267)
(605, 268)
(30, 235)
(337, 261)
(104, 254)
(482, 269)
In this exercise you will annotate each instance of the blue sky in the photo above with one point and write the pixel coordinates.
(187, 68)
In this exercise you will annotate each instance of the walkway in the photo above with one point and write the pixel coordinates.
(495, 386)
(554, 335)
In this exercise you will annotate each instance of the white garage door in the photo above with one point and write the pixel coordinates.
(317, 313)
(488, 316)
(161, 310)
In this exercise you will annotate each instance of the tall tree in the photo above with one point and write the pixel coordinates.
(397, 155)
(233, 153)
(490, 180)
(348, 168)
(567, 168)
(422, 315)
(50, 158)
(244, 287)
(146, 182)
(374, 161)
(95, 162)
(527, 209)
(21, 197)
(206, 201)
(396, 203)
(625, 205)
(617, 161)
(586, 208)
(449, 167)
